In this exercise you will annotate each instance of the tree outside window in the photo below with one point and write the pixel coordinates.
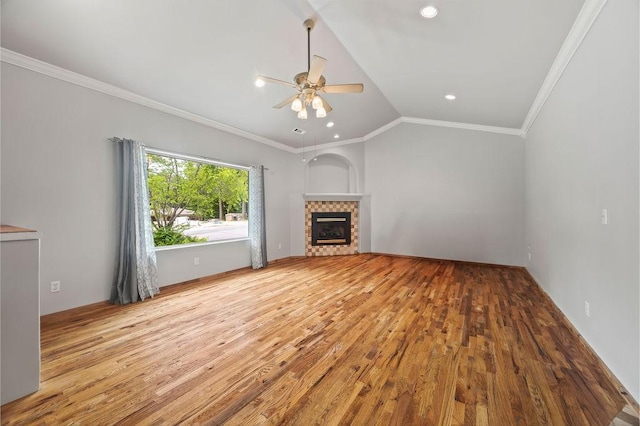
(194, 201)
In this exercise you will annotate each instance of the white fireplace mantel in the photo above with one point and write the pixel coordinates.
(341, 196)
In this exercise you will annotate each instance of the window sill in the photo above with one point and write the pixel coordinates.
(208, 243)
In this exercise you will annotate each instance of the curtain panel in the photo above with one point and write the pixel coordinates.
(136, 275)
(257, 227)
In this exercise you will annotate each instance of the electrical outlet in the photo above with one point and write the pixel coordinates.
(529, 256)
(196, 261)
(55, 286)
(587, 309)
(279, 246)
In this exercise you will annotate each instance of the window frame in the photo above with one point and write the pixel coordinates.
(198, 159)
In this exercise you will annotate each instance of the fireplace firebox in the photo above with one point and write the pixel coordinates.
(330, 228)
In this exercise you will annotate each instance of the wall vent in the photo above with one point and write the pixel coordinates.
(299, 131)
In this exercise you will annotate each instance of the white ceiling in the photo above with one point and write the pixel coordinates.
(202, 56)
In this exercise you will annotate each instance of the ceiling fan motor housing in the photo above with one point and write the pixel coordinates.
(301, 80)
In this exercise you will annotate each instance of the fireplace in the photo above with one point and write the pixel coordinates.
(331, 228)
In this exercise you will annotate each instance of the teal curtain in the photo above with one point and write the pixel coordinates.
(257, 226)
(136, 276)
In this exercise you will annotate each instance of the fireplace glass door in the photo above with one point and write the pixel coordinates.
(330, 228)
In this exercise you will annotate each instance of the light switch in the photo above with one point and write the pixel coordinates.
(605, 217)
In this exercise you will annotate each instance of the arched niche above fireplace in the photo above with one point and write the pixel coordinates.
(330, 174)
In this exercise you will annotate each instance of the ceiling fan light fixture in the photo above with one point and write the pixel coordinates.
(317, 102)
(429, 12)
(309, 83)
(296, 105)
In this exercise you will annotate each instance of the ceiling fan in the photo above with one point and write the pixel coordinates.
(309, 83)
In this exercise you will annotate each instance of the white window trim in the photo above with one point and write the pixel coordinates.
(204, 160)
(195, 158)
(204, 243)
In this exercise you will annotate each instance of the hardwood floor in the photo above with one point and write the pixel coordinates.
(365, 339)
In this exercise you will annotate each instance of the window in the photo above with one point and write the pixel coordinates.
(196, 200)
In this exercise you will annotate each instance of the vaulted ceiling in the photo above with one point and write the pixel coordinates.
(202, 56)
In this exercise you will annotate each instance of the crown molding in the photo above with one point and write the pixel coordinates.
(308, 148)
(27, 62)
(47, 69)
(383, 129)
(587, 16)
(365, 138)
(421, 121)
(465, 126)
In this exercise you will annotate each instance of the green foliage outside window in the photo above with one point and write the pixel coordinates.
(199, 191)
(173, 236)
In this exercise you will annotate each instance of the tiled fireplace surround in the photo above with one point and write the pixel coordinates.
(331, 206)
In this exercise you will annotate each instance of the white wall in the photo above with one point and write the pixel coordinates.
(446, 193)
(581, 157)
(328, 174)
(58, 177)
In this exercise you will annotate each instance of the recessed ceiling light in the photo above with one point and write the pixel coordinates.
(450, 97)
(259, 82)
(336, 136)
(429, 11)
(330, 124)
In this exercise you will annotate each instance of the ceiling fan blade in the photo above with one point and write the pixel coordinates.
(325, 104)
(343, 88)
(315, 71)
(275, 80)
(286, 101)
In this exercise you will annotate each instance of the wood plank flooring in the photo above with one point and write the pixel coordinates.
(365, 339)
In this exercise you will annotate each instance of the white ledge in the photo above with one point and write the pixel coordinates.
(339, 196)
(19, 236)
